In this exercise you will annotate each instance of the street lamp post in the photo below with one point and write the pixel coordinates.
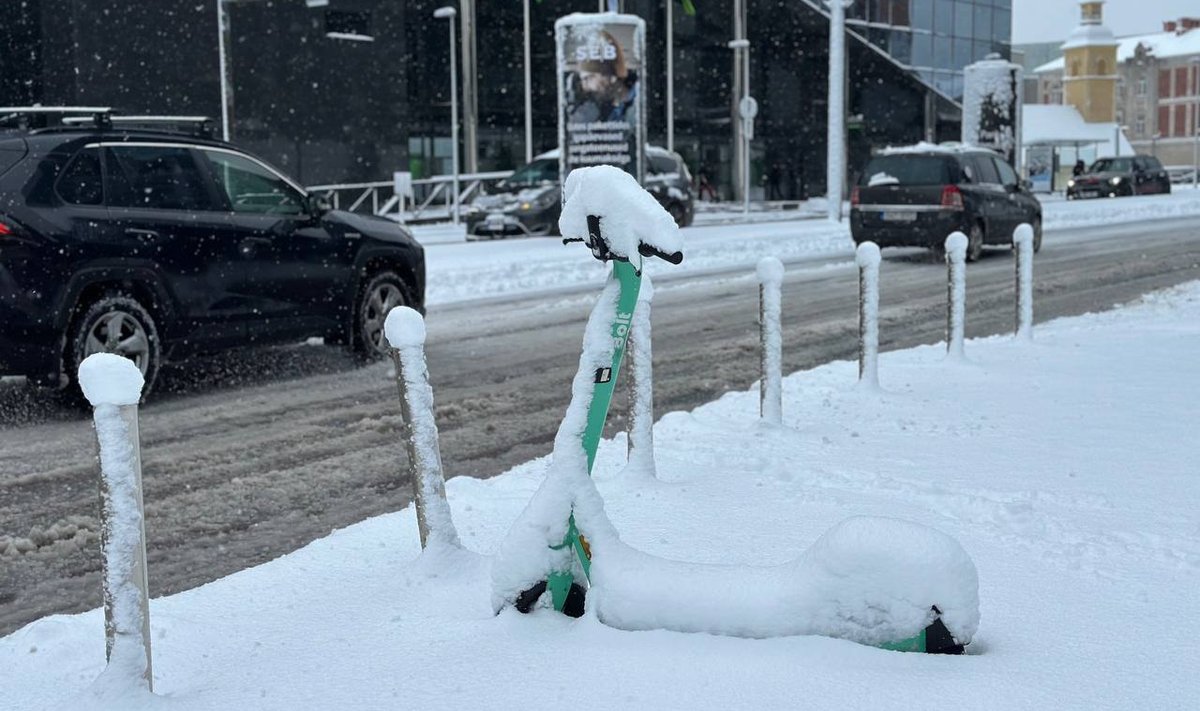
(746, 112)
(835, 155)
(222, 28)
(528, 94)
(449, 13)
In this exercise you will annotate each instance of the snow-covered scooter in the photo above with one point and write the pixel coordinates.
(877, 581)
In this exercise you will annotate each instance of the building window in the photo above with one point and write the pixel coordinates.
(345, 24)
(1101, 67)
(1164, 83)
(1139, 125)
(1074, 71)
(1141, 86)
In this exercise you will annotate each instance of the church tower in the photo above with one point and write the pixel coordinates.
(1090, 66)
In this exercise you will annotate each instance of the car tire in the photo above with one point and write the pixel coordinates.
(381, 293)
(1037, 235)
(975, 243)
(678, 213)
(114, 323)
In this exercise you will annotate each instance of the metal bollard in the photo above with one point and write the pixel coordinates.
(1023, 243)
(956, 291)
(113, 386)
(770, 392)
(641, 384)
(405, 331)
(867, 257)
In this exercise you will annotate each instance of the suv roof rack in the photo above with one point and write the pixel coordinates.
(34, 117)
(100, 117)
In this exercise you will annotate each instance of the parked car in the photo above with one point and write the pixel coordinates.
(529, 201)
(916, 196)
(158, 244)
(1121, 176)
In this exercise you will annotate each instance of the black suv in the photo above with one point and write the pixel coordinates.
(529, 201)
(156, 244)
(916, 196)
(1117, 177)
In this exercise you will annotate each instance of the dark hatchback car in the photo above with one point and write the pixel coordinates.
(917, 196)
(158, 244)
(529, 201)
(1120, 177)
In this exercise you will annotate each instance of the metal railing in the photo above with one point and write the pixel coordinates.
(382, 199)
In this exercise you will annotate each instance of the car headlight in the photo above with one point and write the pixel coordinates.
(1071, 183)
(1115, 181)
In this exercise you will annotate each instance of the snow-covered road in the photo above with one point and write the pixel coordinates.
(466, 271)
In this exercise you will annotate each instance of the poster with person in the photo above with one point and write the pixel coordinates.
(601, 95)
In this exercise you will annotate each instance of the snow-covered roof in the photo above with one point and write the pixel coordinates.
(1160, 44)
(1047, 124)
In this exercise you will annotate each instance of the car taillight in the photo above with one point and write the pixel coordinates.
(952, 198)
(5, 230)
(854, 197)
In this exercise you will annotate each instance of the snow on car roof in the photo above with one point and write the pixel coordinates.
(948, 148)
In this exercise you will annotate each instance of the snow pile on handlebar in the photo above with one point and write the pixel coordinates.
(629, 215)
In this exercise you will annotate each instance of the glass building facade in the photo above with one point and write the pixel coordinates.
(936, 38)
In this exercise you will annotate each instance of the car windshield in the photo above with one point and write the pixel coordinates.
(1112, 165)
(539, 171)
(907, 170)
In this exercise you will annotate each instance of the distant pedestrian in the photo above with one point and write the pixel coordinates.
(1079, 169)
(706, 187)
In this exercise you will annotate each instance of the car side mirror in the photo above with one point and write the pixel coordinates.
(1026, 184)
(318, 205)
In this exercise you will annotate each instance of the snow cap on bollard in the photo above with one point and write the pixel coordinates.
(867, 255)
(956, 245)
(1023, 234)
(629, 215)
(770, 270)
(110, 379)
(404, 328)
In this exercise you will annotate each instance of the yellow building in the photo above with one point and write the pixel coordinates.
(1090, 66)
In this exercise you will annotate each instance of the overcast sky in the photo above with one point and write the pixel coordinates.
(1049, 20)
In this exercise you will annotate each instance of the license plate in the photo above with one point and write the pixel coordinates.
(898, 216)
(497, 221)
(1090, 193)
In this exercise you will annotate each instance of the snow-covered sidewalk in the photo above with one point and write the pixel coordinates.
(1065, 467)
(459, 271)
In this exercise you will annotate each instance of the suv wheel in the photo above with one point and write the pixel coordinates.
(116, 323)
(383, 292)
(1037, 236)
(975, 243)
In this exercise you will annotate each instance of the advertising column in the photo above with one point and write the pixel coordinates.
(601, 92)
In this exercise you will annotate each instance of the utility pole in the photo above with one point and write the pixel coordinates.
(222, 49)
(741, 185)
(470, 72)
(835, 156)
(528, 94)
(670, 75)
